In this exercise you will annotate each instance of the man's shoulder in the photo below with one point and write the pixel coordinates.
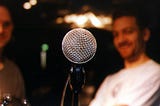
(153, 65)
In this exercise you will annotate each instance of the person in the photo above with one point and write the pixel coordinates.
(11, 79)
(138, 82)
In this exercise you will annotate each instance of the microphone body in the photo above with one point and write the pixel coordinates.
(78, 46)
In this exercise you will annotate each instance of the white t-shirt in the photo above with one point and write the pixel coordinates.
(138, 86)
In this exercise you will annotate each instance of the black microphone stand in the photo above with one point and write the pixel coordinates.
(77, 80)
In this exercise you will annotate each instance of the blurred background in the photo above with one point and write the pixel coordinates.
(40, 26)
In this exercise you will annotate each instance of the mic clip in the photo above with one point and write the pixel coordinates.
(77, 77)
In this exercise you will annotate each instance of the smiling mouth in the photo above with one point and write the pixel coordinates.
(124, 47)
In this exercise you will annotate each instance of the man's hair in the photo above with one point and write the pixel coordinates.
(135, 10)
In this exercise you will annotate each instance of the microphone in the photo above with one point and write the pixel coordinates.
(79, 46)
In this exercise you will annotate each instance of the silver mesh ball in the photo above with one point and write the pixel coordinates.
(79, 45)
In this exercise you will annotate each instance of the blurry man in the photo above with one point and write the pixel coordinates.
(138, 83)
(11, 80)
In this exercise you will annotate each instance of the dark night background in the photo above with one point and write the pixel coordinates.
(35, 26)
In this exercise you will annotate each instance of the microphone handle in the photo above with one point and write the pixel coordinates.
(77, 80)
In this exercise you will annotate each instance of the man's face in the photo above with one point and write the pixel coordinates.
(6, 26)
(128, 38)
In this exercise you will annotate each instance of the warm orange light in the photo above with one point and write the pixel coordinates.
(88, 19)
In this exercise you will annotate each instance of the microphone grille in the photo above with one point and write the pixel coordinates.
(79, 45)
